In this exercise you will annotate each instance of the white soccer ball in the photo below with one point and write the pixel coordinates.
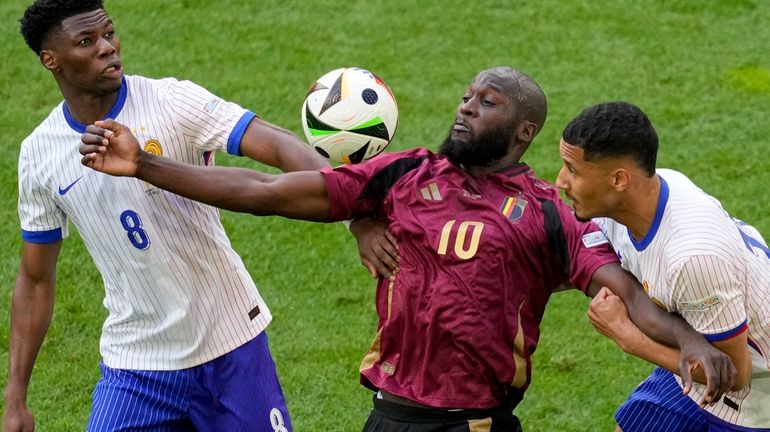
(349, 115)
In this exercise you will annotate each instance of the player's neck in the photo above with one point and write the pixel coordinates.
(87, 108)
(641, 203)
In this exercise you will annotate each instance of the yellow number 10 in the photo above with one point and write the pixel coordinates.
(460, 251)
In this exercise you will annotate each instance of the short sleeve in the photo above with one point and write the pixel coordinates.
(359, 189)
(586, 246)
(208, 121)
(42, 221)
(708, 298)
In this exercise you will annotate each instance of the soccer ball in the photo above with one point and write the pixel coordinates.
(349, 115)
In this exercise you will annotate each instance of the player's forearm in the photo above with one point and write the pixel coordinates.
(235, 189)
(31, 314)
(297, 195)
(654, 352)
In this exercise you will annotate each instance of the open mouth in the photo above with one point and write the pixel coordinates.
(113, 69)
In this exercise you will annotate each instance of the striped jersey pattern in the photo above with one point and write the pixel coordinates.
(177, 293)
(712, 270)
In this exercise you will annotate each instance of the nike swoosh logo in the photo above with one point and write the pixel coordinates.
(66, 189)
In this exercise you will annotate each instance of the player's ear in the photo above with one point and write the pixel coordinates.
(48, 60)
(526, 131)
(621, 179)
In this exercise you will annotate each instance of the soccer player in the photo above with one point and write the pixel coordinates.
(184, 343)
(692, 258)
(483, 243)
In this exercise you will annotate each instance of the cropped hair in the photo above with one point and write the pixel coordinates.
(614, 130)
(44, 17)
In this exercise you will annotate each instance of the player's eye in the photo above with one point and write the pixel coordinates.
(110, 34)
(487, 102)
(466, 99)
(85, 42)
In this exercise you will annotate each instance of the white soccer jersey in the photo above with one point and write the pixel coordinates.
(177, 293)
(712, 270)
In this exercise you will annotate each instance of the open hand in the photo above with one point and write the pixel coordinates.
(109, 147)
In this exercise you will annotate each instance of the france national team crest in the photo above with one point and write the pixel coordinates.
(153, 147)
(513, 208)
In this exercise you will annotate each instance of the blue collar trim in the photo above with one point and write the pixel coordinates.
(662, 201)
(114, 111)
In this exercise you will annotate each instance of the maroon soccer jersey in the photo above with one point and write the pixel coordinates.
(479, 259)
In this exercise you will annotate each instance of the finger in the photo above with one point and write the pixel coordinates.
(685, 373)
(712, 380)
(603, 293)
(370, 267)
(85, 149)
(391, 240)
(386, 259)
(95, 130)
(388, 247)
(91, 138)
(110, 125)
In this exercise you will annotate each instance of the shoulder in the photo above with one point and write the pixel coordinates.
(54, 124)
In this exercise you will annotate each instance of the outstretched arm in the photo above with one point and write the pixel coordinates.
(110, 147)
(696, 355)
(31, 313)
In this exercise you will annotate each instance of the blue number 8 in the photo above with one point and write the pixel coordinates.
(132, 223)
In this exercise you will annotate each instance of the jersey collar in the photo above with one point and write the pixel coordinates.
(662, 201)
(114, 111)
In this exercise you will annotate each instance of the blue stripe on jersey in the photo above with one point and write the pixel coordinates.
(662, 201)
(728, 334)
(50, 236)
(716, 424)
(114, 111)
(234, 140)
(659, 405)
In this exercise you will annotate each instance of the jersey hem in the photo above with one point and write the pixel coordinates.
(729, 334)
(42, 237)
(234, 140)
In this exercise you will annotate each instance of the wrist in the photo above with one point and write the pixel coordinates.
(142, 161)
(14, 396)
(633, 343)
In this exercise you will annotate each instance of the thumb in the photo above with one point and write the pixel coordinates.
(110, 125)
(603, 293)
(369, 266)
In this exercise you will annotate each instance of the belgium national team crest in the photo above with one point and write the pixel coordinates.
(513, 208)
(153, 146)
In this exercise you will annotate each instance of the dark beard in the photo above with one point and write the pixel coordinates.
(478, 151)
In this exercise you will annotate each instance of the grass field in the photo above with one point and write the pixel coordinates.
(700, 69)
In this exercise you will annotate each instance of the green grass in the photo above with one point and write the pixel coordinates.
(699, 69)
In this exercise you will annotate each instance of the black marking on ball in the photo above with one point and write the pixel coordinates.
(369, 96)
(322, 152)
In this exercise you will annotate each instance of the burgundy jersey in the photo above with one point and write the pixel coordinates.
(479, 259)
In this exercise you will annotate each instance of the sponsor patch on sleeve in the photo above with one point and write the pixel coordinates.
(212, 105)
(594, 239)
(701, 305)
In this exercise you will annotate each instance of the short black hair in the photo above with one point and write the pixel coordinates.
(614, 129)
(44, 16)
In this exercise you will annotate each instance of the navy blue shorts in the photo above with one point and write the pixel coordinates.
(658, 405)
(236, 392)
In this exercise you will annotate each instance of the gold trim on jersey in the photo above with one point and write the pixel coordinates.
(520, 373)
(373, 354)
(480, 425)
